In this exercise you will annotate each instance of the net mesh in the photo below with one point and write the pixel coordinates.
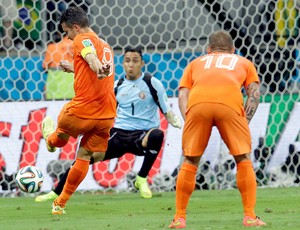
(172, 33)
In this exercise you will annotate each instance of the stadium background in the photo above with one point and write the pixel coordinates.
(171, 33)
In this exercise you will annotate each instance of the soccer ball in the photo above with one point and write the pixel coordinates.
(29, 179)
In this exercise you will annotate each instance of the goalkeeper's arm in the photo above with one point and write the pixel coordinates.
(173, 119)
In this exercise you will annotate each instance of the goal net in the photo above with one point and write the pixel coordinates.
(172, 33)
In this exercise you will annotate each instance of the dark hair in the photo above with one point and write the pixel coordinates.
(220, 40)
(135, 50)
(74, 15)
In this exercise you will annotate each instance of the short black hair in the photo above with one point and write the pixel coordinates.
(74, 15)
(135, 50)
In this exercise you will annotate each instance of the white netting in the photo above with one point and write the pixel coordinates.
(171, 33)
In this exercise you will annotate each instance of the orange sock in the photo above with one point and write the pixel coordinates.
(76, 175)
(246, 183)
(185, 185)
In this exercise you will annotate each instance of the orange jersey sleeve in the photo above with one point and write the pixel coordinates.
(218, 78)
(94, 98)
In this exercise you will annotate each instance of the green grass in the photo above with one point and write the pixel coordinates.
(210, 210)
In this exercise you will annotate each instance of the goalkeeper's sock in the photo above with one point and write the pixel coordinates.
(76, 175)
(148, 162)
(185, 186)
(246, 183)
(61, 183)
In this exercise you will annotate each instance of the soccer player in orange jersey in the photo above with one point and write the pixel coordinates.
(92, 111)
(210, 95)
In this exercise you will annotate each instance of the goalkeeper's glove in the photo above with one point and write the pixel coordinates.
(174, 120)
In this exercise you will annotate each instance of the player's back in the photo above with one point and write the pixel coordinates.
(94, 98)
(218, 78)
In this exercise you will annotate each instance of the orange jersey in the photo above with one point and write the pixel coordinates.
(56, 52)
(218, 78)
(94, 98)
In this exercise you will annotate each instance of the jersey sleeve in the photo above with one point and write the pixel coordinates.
(161, 94)
(84, 45)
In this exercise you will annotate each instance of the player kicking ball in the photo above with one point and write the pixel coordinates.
(136, 129)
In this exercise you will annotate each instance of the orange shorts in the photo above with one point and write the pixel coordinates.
(232, 127)
(95, 132)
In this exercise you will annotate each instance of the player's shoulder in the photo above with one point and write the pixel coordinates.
(80, 38)
(119, 81)
(244, 60)
(150, 78)
(155, 83)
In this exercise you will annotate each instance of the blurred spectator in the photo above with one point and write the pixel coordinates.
(59, 83)
(8, 13)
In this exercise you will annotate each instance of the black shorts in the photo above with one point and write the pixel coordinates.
(124, 141)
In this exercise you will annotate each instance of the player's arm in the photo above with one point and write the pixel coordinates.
(101, 70)
(171, 117)
(66, 66)
(252, 101)
(183, 100)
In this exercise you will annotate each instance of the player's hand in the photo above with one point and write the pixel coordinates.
(66, 66)
(103, 72)
(174, 120)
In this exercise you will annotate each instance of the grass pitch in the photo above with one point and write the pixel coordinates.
(210, 210)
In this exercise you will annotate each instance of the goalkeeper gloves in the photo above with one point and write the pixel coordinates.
(173, 120)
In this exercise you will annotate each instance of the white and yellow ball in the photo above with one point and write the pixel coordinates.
(29, 179)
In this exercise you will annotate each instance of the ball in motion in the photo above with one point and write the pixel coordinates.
(29, 179)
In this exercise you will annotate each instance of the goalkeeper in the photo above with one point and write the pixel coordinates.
(136, 127)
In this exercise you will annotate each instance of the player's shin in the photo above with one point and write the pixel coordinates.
(185, 186)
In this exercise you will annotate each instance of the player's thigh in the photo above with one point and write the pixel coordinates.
(135, 142)
(69, 124)
(234, 130)
(96, 139)
(197, 130)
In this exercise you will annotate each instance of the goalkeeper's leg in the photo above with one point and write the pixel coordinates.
(152, 142)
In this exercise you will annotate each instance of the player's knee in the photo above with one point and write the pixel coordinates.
(57, 140)
(155, 141)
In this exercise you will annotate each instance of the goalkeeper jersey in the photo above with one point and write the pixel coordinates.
(137, 109)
